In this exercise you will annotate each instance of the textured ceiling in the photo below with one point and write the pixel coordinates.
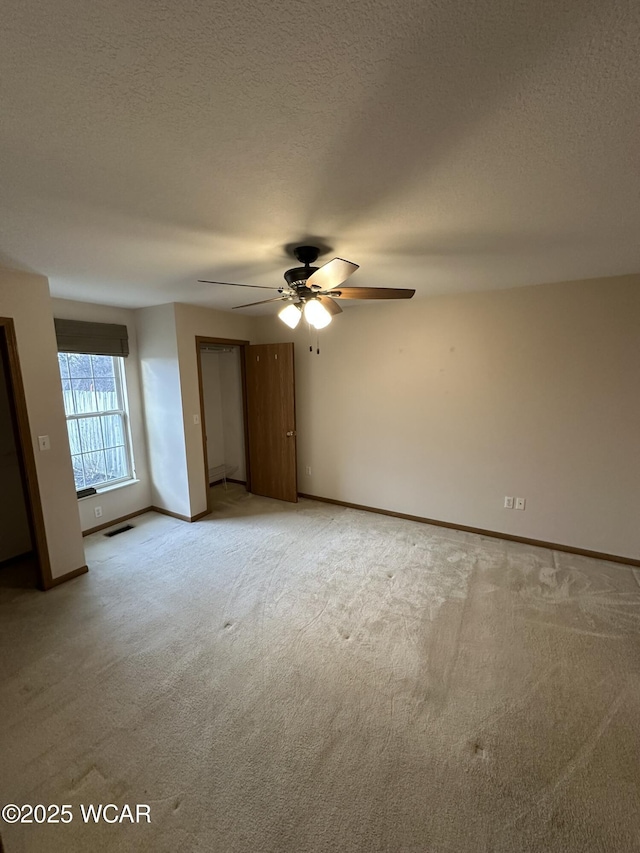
(445, 145)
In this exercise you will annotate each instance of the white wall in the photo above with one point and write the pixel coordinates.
(15, 537)
(162, 400)
(25, 298)
(213, 410)
(232, 413)
(222, 391)
(192, 320)
(137, 495)
(440, 407)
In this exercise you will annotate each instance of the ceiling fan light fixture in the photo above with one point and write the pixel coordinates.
(313, 291)
(290, 315)
(316, 314)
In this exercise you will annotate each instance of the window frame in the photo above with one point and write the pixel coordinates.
(122, 412)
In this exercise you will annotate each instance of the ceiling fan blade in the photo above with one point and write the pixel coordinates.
(233, 284)
(331, 274)
(262, 302)
(372, 293)
(331, 306)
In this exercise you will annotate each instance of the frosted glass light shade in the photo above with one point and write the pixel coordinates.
(290, 315)
(316, 314)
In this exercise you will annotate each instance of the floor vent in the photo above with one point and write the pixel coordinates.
(119, 530)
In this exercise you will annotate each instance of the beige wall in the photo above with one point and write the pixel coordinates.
(171, 397)
(25, 298)
(440, 407)
(437, 407)
(192, 320)
(162, 401)
(134, 496)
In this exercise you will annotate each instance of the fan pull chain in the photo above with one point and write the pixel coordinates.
(310, 327)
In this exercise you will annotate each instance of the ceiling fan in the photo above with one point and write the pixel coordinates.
(313, 291)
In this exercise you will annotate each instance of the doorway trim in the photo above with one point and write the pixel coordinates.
(26, 458)
(242, 347)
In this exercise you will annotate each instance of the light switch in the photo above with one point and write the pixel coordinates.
(43, 442)
(196, 419)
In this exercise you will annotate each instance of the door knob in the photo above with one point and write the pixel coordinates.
(290, 433)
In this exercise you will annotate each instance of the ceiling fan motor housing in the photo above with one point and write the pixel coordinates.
(298, 276)
(306, 254)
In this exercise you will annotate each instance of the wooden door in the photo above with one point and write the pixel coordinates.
(271, 417)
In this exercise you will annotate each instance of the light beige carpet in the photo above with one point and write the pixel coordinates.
(306, 679)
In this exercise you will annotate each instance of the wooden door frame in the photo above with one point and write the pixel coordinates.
(242, 347)
(24, 447)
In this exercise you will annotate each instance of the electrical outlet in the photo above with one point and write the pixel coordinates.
(307, 470)
(520, 503)
(43, 442)
(97, 511)
(508, 503)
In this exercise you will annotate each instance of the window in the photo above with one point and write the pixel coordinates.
(97, 422)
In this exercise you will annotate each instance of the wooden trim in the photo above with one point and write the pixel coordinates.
(28, 470)
(170, 513)
(69, 576)
(177, 515)
(200, 515)
(242, 345)
(116, 521)
(228, 480)
(245, 413)
(229, 342)
(480, 531)
(203, 425)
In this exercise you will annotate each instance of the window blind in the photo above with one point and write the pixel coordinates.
(93, 338)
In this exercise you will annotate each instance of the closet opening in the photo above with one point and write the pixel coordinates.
(221, 376)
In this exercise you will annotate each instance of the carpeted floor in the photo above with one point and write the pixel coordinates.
(307, 679)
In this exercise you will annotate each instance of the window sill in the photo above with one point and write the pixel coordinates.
(104, 489)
